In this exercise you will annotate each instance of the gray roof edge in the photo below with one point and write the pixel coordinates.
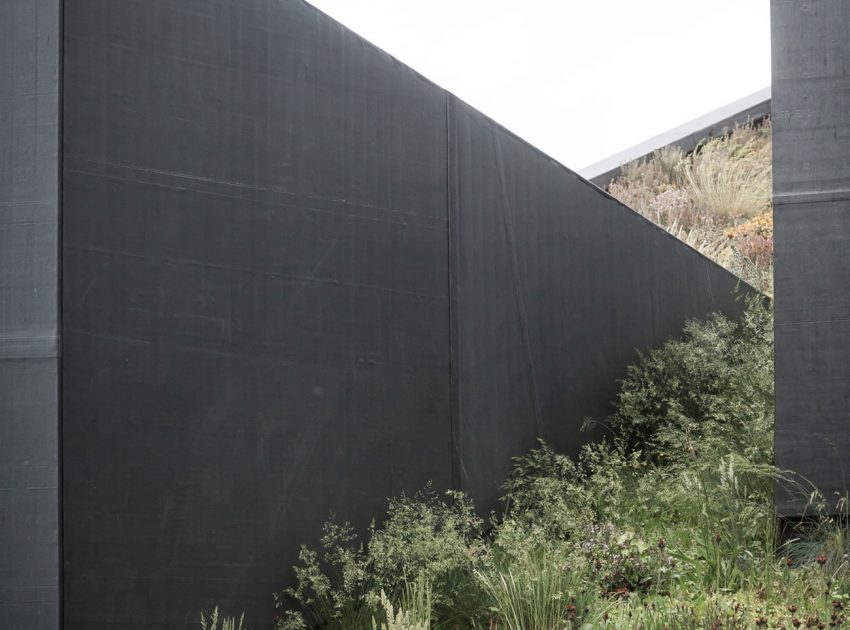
(687, 136)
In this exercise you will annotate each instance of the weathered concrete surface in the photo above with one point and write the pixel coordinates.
(811, 149)
(29, 374)
(297, 278)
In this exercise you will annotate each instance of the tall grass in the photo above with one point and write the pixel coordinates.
(716, 199)
(227, 623)
(414, 613)
(539, 592)
(417, 600)
(731, 177)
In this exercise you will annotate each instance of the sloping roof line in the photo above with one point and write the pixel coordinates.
(756, 106)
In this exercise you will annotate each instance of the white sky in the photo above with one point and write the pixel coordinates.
(580, 80)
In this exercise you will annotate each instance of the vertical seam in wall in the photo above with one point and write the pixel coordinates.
(452, 237)
(522, 316)
(60, 192)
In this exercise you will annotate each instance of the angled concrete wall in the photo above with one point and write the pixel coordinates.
(256, 326)
(29, 312)
(811, 173)
(558, 285)
(298, 278)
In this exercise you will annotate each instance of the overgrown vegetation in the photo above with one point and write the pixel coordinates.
(717, 199)
(666, 523)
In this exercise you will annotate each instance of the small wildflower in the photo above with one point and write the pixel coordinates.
(821, 559)
(662, 543)
(717, 537)
(792, 608)
(761, 621)
(795, 622)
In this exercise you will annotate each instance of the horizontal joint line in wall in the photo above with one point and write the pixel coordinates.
(786, 199)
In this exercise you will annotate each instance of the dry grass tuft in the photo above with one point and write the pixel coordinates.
(717, 199)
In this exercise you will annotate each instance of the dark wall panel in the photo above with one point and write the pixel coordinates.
(811, 149)
(256, 305)
(299, 278)
(811, 90)
(29, 377)
(558, 286)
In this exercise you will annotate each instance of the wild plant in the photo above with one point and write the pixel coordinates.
(414, 612)
(423, 537)
(227, 623)
(710, 389)
(731, 176)
(668, 521)
(331, 587)
(717, 199)
(540, 591)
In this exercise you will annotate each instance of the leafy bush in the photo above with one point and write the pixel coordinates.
(544, 492)
(555, 496)
(668, 523)
(426, 537)
(331, 589)
(423, 538)
(624, 561)
(712, 389)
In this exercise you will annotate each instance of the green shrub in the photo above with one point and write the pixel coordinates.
(423, 537)
(544, 493)
(426, 537)
(668, 523)
(624, 561)
(556, 496)
(711, 390)
(330, 588)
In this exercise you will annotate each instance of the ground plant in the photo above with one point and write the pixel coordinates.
(667, 522)
(716, 198)
(227, 623)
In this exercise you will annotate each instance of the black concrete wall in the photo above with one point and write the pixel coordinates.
(557, 285)
(256, 327)
(811, 149)
(299, 278)
(29, 375)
